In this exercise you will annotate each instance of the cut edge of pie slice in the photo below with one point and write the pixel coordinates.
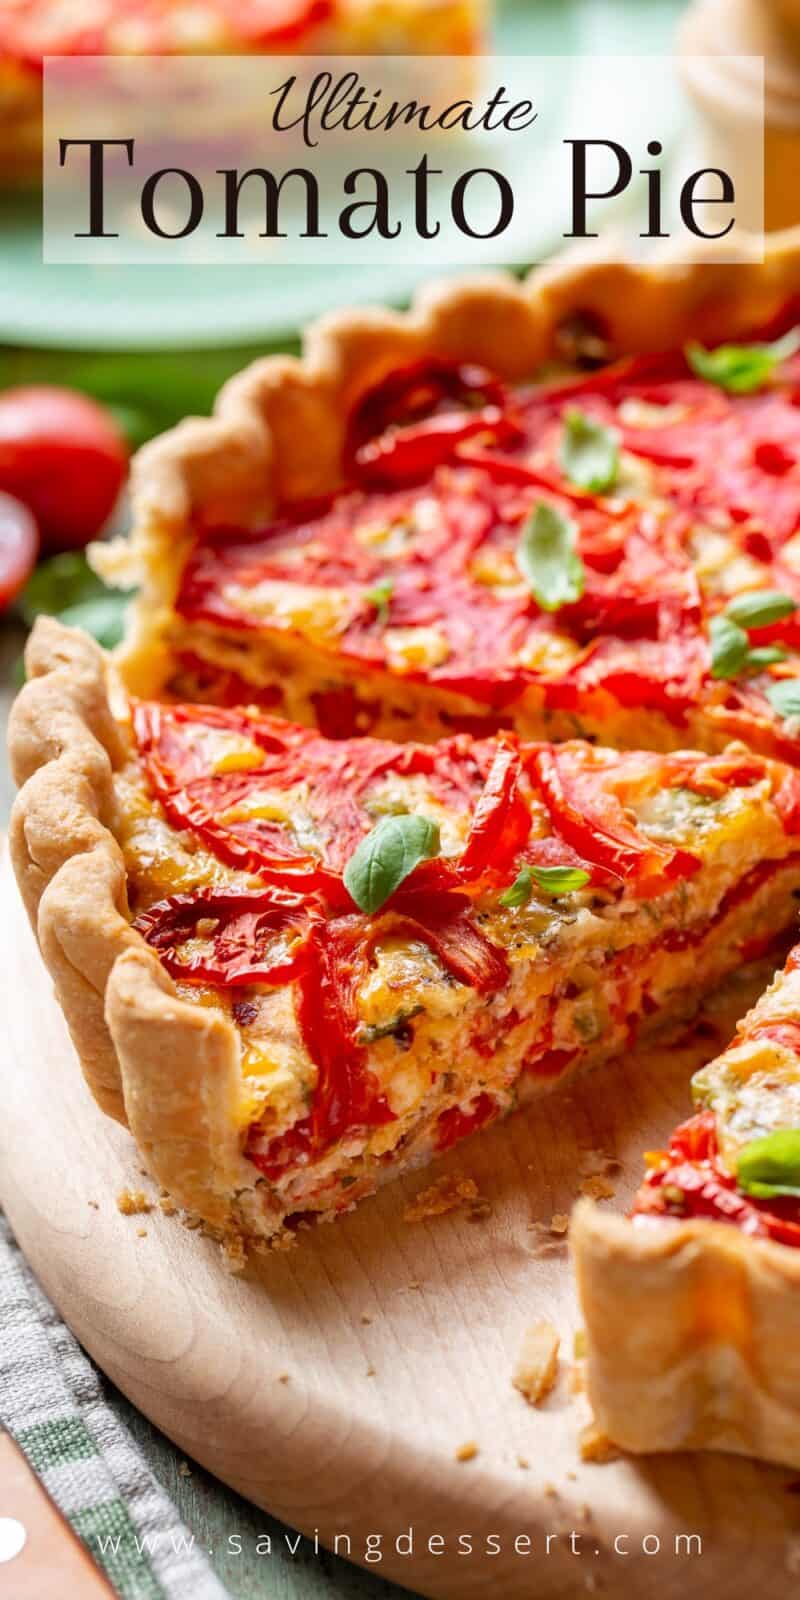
(277, 1052)
(690, 1304)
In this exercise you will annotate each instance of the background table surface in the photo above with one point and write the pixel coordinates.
(211, 1511)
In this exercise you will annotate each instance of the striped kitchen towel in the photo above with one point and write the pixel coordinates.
(51, 1402)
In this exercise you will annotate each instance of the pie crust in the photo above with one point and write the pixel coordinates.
(689, 1324)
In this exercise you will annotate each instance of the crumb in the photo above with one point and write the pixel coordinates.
(537, 1365)
(167, 1205)
(283, 1377)
(234, 1253)
(451, 1193)
(415, 1285)
(132, 1202)
(95, 1205)
(141, 1233)
(371, 1372)
(367, 1321)
(559, 1222)
(551, 1491)
(283, 1241)
(467, 1452)
(597, 1187)
(573, 1476)
(184, 1469)
(522, 1461)
(595, 1446)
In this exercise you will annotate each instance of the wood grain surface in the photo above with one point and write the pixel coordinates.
(336, 1383)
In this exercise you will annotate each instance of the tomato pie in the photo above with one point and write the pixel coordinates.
(33, 29)
(453, 745)
(708, 1269)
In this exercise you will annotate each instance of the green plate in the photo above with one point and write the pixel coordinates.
(140, 308)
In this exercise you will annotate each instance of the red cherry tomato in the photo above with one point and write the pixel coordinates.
(19, 547)
(63, 456)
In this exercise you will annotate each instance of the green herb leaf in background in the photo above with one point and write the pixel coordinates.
(729, 647)
(784, 696)
(760, 607)
(548, 559)
(765, 655)
(741, 368)
(588, 453)
(384, 859)
(67, 588)
(771, 1166)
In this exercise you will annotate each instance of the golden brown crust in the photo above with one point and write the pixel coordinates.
(123, 1014)
(691, 1335)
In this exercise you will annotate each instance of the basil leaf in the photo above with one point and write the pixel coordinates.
(784, 696)
(589, 453)
(548, 560)
(520, 890)
(760, 607)
(771, 1166)
(561, 880)
(394, 847)
(728, 647)
(766, 655)
(741, 368)
(379, 596)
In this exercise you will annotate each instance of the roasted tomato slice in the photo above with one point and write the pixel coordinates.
(234, 938)
(584, 790)
(417, 417)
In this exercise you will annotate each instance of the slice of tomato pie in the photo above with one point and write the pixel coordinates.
(390, 944)
(707, 1266)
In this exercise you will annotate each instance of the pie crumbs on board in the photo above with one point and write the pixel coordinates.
(133, 1202)
(450, 1193)
(537, 1365)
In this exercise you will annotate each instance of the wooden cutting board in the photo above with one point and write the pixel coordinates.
(335, 1383)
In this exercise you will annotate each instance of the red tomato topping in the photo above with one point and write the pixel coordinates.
(19, 546)
(256, 936)
(583, 789)
(412, 420)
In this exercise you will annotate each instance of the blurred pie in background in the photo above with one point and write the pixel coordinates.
(33, 29)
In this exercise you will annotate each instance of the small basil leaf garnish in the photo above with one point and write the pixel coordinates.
(520, 891)
(548, 559)
(766, 655)
(784, 696)
(588, 453)
(561, 880)
(379, 596)
(760, 607)
(741, 368)
(771, 1166)
(728, 647)
(384, 859)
